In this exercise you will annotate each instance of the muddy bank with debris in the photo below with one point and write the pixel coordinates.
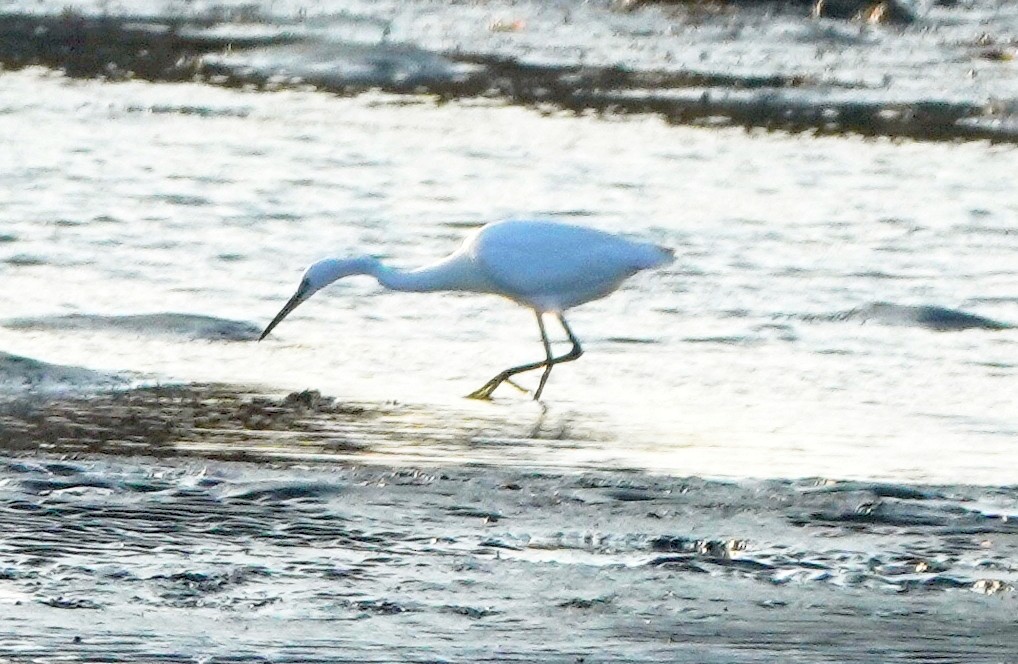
(767, 65)
(226, 422)
(213, 421)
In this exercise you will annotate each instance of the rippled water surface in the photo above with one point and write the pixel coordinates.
(227, 562)
(795, 443)
(136, 213)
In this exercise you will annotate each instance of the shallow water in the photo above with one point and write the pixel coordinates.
(796, 443)
(124, 205)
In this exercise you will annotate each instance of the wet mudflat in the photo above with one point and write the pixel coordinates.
(930, 71)
(345, 551)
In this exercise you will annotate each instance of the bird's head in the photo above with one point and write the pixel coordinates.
(319, 275)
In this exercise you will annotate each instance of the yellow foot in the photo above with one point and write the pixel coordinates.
(485, 391)
(481, 395)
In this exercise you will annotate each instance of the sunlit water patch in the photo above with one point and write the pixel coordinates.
(216, 214)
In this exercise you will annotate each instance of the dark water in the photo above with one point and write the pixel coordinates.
(189, 326)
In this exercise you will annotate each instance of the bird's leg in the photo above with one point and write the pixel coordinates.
(548, 364)
(573, 353)
(484, 392)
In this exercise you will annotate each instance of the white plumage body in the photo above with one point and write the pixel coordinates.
(544, 265)
(551, 267)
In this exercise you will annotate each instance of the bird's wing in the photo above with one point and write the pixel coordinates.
(549, 262)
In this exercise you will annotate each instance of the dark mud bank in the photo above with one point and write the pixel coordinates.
(216, 421)
(271, 54)
(235, 423)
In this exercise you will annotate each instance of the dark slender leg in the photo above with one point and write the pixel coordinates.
(485, 390)
(548, 364)
(573, 354)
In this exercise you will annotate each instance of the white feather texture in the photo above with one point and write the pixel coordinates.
(544, 265)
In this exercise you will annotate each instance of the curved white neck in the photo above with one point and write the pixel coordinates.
(452, 274)
(456, 272)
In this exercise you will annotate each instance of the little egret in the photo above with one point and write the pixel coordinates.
(544, 265)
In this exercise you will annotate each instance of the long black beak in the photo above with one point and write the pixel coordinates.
(297, 298)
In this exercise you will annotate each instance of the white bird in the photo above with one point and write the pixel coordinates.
(544, 265)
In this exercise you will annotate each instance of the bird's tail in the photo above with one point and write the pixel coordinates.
(655, 255)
